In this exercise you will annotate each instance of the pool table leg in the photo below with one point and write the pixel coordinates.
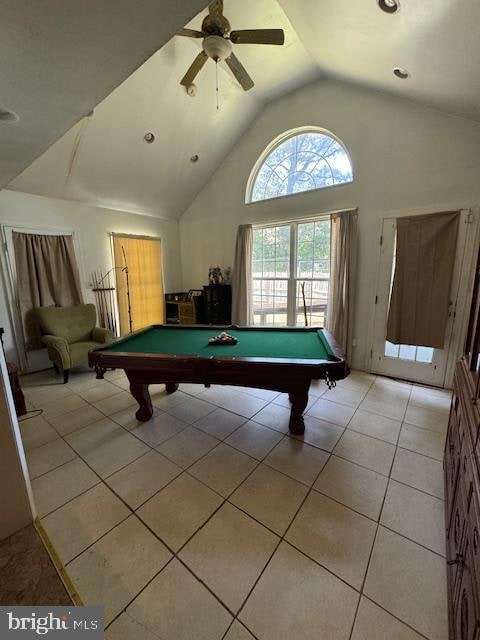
(299, 400)
(142, 396)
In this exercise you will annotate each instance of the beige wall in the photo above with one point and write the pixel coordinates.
(91, 226)
(15, 511)
(404, 157)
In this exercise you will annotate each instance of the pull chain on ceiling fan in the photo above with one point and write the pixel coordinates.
(217, 44)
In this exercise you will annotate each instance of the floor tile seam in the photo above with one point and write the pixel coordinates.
(45, 515)
(443, 432)
(89, 546)
(410, 486)
(357, 464)
(135, 620)
(362, 433)
(441, 411)
(419, 544)
(294, 436)
(400, 446)
(237, 619)
(346, 506)
(407, 624)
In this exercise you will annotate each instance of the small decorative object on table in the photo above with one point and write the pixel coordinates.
(223, 338)
(227, 278)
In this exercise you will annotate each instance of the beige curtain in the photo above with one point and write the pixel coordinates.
(242, 305)
(425, 257)
(143, 257)
(343, 261)
(47, 275)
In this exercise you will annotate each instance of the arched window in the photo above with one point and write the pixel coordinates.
(300, 160)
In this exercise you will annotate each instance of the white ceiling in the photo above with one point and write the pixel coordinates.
(436, 40)
(59, 58)
(115, 168)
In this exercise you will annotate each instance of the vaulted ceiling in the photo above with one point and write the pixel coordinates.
(104, 159)
(60, 58)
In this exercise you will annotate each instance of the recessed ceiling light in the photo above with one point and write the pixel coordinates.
(389, 6)
(401, 73)
(8, 117)
(149, 137)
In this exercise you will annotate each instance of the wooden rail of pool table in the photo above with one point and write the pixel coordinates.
(292, 376)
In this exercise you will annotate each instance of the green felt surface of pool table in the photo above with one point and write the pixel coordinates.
(295, 343)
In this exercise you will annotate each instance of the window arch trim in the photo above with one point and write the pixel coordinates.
(276, 142)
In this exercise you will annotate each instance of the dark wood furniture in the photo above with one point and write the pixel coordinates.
(218, 304)
(184, 308)
(17, 393)
(171, 354)
(462, 486)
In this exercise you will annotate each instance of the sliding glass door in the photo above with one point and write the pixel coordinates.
(291, 273)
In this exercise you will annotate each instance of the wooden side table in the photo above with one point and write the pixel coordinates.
(18, 397)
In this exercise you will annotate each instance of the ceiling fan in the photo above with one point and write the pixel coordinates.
(217, 44)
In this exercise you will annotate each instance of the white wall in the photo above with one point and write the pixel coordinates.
(404, 157)
(91, 226)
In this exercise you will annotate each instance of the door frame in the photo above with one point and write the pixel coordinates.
(462, 284)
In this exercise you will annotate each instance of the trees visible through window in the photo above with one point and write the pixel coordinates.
(285, 257)
(311, 159)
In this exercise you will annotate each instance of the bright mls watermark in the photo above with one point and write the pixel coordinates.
(82, 623)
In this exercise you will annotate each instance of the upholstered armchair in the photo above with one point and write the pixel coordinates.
(69, 333)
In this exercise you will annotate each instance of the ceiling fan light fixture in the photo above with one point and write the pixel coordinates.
(389, 6)
(401, 73)
(217, 48)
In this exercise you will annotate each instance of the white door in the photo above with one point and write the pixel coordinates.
(419, 364)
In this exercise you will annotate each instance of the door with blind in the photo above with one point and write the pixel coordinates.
(420, 364)
(139, 280)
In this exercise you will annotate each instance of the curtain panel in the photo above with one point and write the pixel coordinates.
(143, 258)
(420, 299)
(242, 303)
(47, 275)
(343, 262)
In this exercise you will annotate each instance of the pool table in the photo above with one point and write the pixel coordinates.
(281, 359)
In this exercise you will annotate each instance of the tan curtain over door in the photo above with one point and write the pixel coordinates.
(420, 299)
(343, 261)
(143, 258)
(242, 304)
(47, 275)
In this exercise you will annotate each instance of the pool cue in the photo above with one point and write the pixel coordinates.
(302, 287)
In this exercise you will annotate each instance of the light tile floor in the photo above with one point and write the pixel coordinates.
(210, 521)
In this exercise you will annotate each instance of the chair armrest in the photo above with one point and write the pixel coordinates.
(102, 335)
(60, 346)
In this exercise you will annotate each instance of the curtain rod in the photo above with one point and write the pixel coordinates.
(304, 218)
(135, 237)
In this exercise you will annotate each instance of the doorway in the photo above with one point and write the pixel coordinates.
(416, 363)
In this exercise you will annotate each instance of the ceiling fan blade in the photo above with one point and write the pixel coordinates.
(215, 8)
(189, 33)
(258, 36)
(195, 67)
(239, 71)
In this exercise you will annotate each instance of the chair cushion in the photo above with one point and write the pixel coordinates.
(79, 352)
(75, 324)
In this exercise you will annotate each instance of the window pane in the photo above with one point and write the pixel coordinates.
(391, 350)
(302, 162)
(407, 352)
(316, 299)
(425, 354)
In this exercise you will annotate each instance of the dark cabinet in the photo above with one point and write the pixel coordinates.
(462, 486)
(218, 304)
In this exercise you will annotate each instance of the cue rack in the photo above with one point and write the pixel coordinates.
(105, 299)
